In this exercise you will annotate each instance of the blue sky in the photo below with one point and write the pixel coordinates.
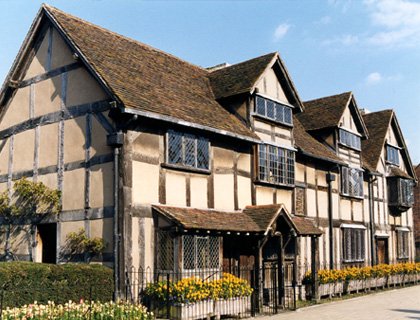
(369, 47)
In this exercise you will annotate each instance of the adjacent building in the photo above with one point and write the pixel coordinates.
(179, 167)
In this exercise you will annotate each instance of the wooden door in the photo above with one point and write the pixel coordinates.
(382, 250)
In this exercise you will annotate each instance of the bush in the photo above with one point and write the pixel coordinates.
(26, 282)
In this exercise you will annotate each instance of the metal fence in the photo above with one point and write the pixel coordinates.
(173, 295)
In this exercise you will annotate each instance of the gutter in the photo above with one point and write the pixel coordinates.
(170, 119)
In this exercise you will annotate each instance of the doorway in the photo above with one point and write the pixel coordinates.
(47, 243)
(382, 250)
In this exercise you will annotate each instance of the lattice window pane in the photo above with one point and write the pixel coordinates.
(270, 109)
(288, 115)
(174, 147)
(279, 113)
(262, 162)
(290, 167)
(202, 252)
(202, 153)
(165, 254)
(189, 252)
(274, 174)
(260, 106)
(282, 165)
(189, 150)
(214, 249)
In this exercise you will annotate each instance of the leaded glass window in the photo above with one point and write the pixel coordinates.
(392, 155)
(350, 139)
(200, 252)
(402, 244)
(352, 182)
(276, 165)
(353, 244)
(273, 110)
(188, 150)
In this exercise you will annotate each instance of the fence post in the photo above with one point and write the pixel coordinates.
(1, 302)
(168, 305)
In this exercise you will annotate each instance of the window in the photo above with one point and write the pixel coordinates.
(400, 193)
(200, 252)
(353, 244)
(392, 155)
(165, 253)
(273, 110)
(352, 182)
(402, 244)
(187, 150)
(350, 139)
(276, 165)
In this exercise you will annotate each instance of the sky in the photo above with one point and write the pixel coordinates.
(370, 47)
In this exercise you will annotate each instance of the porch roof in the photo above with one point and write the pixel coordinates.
(255, 219)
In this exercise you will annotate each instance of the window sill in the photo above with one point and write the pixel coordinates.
(185, 168)
(349, 147)
(352, 197)
(273, 184)
(272, 121)
(392, 163)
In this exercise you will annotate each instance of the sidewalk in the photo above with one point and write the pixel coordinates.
(389, 305)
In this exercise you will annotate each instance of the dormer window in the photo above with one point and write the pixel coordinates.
(349, 139)
(392, 155)
(273, 110)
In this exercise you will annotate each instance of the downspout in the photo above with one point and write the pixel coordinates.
(116, 236)
(115, 140)
(330, 178)
(371, 180)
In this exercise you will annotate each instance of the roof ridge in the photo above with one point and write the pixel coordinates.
(51, 10)
(240, 62)
(327, 97)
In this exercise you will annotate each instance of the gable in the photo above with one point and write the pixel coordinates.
(270, 86)
(39, 92)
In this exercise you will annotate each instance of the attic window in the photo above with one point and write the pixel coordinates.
(273, 110)
(187, 150)
(350, 139)
(392, 155)
(276, 165)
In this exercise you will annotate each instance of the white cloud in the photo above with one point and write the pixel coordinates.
(373, 78)
(345, 40)
(325, 20)
(281, 31)
(376, 78)
(399, 21)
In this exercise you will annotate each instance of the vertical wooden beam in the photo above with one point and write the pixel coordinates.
(210, 182)
(188, 190)
(36, 153)
(10, 167)
(235, 180)
(88, 143)
(162, 171)
(49, 52)
(315, 267)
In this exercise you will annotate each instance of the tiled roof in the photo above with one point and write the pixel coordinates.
(240, 77)
(377, 124)
(397, 172)
(324, 112)
(207, 219)
(310, 146)
(147, 79)
(251, 219)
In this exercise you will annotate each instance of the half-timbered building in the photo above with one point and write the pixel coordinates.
(179, 167)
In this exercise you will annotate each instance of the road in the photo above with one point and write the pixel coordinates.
(390, 305)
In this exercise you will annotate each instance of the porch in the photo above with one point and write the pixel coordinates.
(256, 247)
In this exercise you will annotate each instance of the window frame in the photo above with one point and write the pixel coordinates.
(346, 182)
(355, 250)
(274, 118)
(183, 165)
(195, 239)
(286, 173)
(406, 190)
(351, 136)
(403, 244)
(391, 160)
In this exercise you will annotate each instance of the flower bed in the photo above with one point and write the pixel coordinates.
(78, 311)
(333, 282)
(194, 298)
